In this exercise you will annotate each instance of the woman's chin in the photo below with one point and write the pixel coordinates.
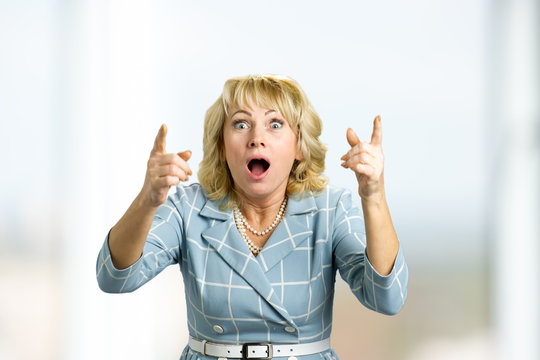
(260, 189)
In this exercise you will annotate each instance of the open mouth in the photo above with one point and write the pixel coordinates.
(258, 166)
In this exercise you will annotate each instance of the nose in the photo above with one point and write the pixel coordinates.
(256, 142)
(257, 139)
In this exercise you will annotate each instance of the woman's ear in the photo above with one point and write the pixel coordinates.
(299, 153)
(299, 156)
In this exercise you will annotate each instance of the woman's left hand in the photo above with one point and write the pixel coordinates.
(367, 161)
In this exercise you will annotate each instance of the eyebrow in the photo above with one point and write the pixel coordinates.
(249, 114)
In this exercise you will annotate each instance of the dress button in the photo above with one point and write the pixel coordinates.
(290, 329)
(218, 329)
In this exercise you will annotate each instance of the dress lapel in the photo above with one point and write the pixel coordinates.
(291, 232)
(229, 244)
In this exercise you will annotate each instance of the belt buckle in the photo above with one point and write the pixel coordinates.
(245, 350)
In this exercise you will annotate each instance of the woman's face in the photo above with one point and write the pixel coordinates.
(260, 149)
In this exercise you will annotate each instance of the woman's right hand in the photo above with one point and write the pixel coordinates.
(163, 171)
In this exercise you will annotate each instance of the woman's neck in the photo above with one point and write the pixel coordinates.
(260, 213)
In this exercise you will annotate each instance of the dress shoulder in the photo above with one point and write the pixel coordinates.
(191, 195)
(330, 196)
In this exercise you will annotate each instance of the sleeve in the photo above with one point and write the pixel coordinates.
(383, 294)
(162, 248)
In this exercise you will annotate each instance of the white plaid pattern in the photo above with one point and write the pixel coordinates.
(285, 294)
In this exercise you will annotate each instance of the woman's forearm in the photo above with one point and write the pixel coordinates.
(128, 236)
(367, 161)
(382, 241)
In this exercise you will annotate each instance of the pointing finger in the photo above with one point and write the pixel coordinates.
(352, 139)
(160, 141)
(376, 136)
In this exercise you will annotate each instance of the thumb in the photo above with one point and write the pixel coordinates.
(352, 139)
(160, 141)
(186, 155)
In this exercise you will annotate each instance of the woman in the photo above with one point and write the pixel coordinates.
(259, 240)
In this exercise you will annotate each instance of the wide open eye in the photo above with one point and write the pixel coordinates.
(276, 124)
(240, 124)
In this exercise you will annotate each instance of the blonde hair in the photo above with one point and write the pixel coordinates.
(272, 92)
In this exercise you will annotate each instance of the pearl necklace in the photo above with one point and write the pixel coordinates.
(242, 224)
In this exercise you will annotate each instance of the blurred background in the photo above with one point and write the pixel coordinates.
(85, 85)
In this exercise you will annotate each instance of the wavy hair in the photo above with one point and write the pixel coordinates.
(272, 92)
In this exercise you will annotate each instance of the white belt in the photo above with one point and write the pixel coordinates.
(257, 350)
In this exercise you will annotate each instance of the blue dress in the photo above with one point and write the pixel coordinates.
(285, 294)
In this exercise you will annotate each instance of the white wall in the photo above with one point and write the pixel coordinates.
(84, 86)
(515, 163)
